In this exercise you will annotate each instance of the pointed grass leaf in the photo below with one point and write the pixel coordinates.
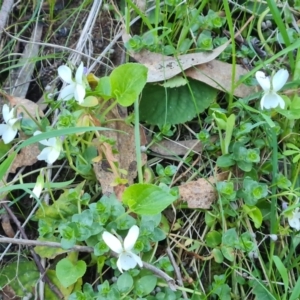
(4, 167)
(295, 291)
(161, 105)
(68, 273)
(147, 199)
(127, 82)
(283, 273)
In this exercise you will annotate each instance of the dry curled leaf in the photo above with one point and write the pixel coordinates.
(200, 193)
(162, 67)
(219, 75)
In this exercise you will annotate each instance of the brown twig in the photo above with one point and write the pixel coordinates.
(44, 243)
(156, 271)
(6, 8)
(34, 255)
(177, 271)
(161, 274)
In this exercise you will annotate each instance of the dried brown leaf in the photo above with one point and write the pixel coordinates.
(126, 156)
(6, 226)
(26, 157)
(24, 106)
(162, 67)
(200, 193)
(219, 75)
(168, 147)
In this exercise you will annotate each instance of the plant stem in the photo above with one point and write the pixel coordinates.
(259, 32)
(137, 140)
(231, 30)
(273, 214)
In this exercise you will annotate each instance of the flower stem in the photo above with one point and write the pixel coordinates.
(137, 140)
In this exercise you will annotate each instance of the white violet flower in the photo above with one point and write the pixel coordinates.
(294, 219)
(127, 259)
(271, 86)
(10, 129)
(75, 88)
(37, 190)
(52, 150)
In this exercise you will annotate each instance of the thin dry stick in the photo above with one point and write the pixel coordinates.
(177, 271)
(56, 46)
(44, 243)
(156, 271)
(163, 275)
(186, 171)
(4, 13)
(87, 30)
(34, 255)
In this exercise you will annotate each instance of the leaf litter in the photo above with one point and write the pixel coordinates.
(201, 66)
(201, 193)
(120, 163)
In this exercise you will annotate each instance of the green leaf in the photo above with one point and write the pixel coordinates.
(58, 133)
(296, 291)
(230, 237)
(220, 288)
(218, 256)
(90, 101)
(127, 82)
(244, 166)
(260, 290)
(46, 251)
(205, 41)
(161, 105)
(147, 199)
(21, 276)
(68, 273)
(213, 239)
(125, 283)
(60, 209)
(229, 129)
(100, 248)
(4, 148)
(282, 182)
(283, 273)
(4, 167)
(175, 81)
(65, 206)
(228, 252)
(146, 284)
(103, 88)
(290, 152)
(255, 214)
(225, 161)
(50, 295)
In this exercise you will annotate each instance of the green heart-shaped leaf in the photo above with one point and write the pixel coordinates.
(68, 273)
